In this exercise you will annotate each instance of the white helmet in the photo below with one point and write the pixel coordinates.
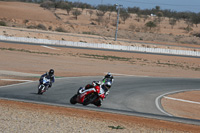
(107, 84)
(108, 76)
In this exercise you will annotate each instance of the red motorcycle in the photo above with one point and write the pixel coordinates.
(88, 95)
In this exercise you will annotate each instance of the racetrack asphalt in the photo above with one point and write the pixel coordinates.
(129, 95)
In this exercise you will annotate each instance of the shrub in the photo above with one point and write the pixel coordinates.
(50, 28)
(31, 27)
(76, 13)
(188, 28)
(2, 23)
(60, 29)
(196, 34)
(41, 26)
(47, 4)
(26, 21)
(88, 33)
(150, 24)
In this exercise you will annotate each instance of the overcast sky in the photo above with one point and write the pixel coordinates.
(174, 5)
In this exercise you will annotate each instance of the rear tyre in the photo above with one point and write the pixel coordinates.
(73, 99)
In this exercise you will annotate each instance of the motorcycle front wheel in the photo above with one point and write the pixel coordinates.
(40, 89)
(73, 99)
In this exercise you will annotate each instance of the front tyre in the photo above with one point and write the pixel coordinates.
(40, 89)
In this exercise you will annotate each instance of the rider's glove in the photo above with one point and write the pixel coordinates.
(107, 93)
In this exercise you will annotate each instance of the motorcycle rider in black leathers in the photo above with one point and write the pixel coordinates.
(49, 75)
(108, 77)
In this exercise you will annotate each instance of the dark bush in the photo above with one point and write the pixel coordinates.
(2, 23)
(41, 26)
(50, 28)
(26, 21)
(76, 13)
(60, 29)
(31, 27)
(150, 24)
(47, 4)
(196, 34)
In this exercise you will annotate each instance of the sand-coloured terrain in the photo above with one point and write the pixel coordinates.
(78, 62)
(20, 62)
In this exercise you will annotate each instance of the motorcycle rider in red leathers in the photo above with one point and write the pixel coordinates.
(102, 87)
(102, 90)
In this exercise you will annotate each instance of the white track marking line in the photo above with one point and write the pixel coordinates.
(49, 47)
(163, 95)
(14, 80)
(159, 107)
(182, 100)
(16, 84)
(125, 74)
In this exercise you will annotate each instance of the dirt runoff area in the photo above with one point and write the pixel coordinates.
(20, 61)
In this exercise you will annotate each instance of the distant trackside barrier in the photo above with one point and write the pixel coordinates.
(104, 46)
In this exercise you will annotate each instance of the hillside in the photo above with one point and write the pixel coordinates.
(29, 15)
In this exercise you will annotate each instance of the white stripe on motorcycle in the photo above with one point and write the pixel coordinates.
(87, 90)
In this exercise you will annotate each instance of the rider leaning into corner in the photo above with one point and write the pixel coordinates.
(51, 76)
(108, 77)
(102, 87)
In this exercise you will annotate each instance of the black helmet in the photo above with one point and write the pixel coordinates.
(51, 72)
